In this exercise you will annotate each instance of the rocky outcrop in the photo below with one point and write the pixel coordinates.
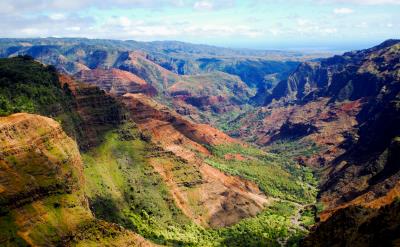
(352, 76)
(213, 93)
(330, 126)
(359, 93)
(144, 109)
(96, 112)
(115, 81)
(155, 75)
(359, 226)
(219, 86)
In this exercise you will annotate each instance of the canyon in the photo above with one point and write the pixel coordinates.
(178, 144)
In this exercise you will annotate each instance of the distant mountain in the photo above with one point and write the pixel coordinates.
(75, 54)
(161, 65)
(12, 45)
(351, 76)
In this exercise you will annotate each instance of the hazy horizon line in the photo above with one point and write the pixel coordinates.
(318, 46)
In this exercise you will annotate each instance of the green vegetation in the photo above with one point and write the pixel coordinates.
(307, 217)
(50, 219)
(124, 188)
(28, 86)
(293, 148)
(9, 232)
(277, 176)
(227, 121)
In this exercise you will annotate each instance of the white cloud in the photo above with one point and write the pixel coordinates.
(57, 16)
(213, 4)
(203, 5)
(342, 11)
(308, 27)
(76, 28)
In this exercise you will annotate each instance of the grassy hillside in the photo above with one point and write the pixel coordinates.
(277, 175)
(124, 188)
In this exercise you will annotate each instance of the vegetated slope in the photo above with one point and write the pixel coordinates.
(199, 191)
(83, 110)
(347, 108)
(29, 86)
(174, 49)
(146, 181)
(74, 55)
(41, 189)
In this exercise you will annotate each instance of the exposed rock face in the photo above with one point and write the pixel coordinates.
(145, 109)
(358, 226)
(368, 166)
(115, 81)
(41, 198)
(201, 96)
(38, 159)
(97, 112)
(221, 199)
(218, 83)
(155, 75)
(352, 76)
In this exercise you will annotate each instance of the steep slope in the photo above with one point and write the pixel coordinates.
(160, 65)
(115, 81)
(41, 198)
(97, 112)
(345, 109)
(209, 98)
(83, 110)
(256, 72)
(348, 107)
(352, 76)
(359, 226)
(155, 75)
(186, 140)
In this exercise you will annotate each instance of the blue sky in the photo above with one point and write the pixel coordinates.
(261, 24)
